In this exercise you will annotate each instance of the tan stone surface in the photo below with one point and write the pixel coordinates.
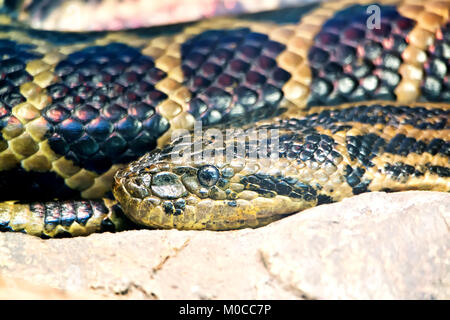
(11, 288)
(370, 246)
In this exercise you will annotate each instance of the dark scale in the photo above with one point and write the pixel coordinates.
(354, 178)
(402, 145)
(418, 117)
(401, 171)
(440, 171)
(232, 75)
(365, 147)
(436, 82)
(270, 186)
(350, 62)
(13, 60)
(65, 213)
(103, 108)
(68, 215)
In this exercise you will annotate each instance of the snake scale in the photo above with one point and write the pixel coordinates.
(331, 101)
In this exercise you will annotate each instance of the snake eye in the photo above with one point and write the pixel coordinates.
(208, 175)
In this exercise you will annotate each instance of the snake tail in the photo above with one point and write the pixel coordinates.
(62, 218)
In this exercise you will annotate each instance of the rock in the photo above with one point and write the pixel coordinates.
(11, 288)
(371, 246)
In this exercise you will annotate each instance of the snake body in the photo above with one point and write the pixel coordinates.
(342, 108)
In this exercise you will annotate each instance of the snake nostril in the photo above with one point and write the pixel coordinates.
(135, 188)
(145, 180)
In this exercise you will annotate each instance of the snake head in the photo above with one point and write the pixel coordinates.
(168, 189)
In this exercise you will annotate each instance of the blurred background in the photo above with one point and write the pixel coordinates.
(76, 15)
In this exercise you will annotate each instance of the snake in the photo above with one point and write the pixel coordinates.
(224, 123)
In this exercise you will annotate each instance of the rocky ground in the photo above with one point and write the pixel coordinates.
(372, 246)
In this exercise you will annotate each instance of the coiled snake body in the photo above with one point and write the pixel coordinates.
(331, 107)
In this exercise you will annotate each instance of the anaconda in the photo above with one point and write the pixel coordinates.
(354, 97)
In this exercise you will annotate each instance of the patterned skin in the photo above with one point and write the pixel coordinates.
(319, 158)
(358, 110)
